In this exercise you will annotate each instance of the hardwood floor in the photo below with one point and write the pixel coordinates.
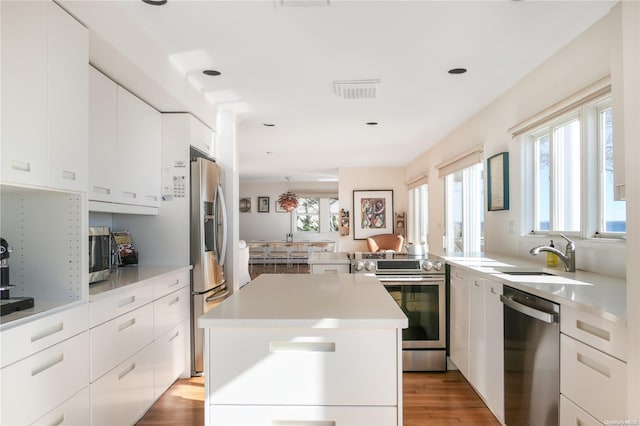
(430, 399)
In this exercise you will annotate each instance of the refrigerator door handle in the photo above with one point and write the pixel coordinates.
(223, 208)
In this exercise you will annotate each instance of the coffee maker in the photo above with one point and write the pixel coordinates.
(9, 304)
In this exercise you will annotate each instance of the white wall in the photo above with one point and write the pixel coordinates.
(369, 178)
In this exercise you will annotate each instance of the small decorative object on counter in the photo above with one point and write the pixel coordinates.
(552, 259)
(125, 252)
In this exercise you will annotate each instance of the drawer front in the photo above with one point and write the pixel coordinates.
(170, 357)
(239, 415)
(26, 339)
(595, 331)
(118, 339)
(120, 302)
(303, 367)
(124, 394)
(37, 384)
(170, 311)
(329, 269)
(593, 380)
(170, 283)
(74, 411)
(572, 415)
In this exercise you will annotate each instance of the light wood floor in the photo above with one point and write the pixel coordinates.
(430, 399)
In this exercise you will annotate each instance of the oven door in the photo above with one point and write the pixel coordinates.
(422, 299)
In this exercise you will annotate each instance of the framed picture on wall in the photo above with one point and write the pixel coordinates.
(263, 204)
(372, 213)
(498, 182)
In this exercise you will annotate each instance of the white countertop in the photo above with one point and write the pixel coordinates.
(593, 293)
(328, 258)
(130, 275)
(308, 301)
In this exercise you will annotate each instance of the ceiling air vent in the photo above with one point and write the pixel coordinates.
(356, 89)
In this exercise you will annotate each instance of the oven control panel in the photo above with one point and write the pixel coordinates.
(405, 266)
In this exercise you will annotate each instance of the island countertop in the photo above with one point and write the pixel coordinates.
(308, 301)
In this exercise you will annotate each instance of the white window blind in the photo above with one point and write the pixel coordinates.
(462, 161)
(416, 181)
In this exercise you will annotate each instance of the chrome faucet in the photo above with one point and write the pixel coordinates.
(568, 257)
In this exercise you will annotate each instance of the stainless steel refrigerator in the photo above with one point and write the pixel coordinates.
(208, 246)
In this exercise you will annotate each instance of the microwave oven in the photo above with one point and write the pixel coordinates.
(99, 253)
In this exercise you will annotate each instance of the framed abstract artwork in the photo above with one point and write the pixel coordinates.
(498, 182)
(372, 213)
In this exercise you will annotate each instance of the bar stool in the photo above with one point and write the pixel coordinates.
(299, 252)
(279, 251)
(257, 251)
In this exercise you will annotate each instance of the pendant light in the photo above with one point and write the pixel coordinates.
(288, 200)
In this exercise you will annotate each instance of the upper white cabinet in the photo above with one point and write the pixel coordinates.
(45, 53)
(124, 147)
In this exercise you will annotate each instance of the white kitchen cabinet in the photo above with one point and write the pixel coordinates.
(459, 317)
(44, 99)
(571, 414)
(138, 155)
(330, 269)
(37, 384)
(170, 350)
(74, 411)
(477, 335)
(170, 310)
(103, 104)
(494, 348)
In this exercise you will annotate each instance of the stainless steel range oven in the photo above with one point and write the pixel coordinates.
(417, 284)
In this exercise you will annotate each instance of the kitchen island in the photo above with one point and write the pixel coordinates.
(323, 349)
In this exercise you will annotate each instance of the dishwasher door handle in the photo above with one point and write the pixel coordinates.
(548, 317)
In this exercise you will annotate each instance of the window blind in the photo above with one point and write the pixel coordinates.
(416, 181)
(462, 161)
(590, 93)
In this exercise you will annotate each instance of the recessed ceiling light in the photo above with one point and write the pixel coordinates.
(155, 2)
(457, 71)
(211, 72)
(372, 123)
(268, 124)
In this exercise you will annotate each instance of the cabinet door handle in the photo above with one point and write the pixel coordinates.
(127, 301)
(127, 371)
(172, 338)
(23, 166)
(151, 198)
(48, 365)
(303, 423)
(127, 324)
(58, 421)
(302, 347)
(594, 365)
(593, 330)
(475, 283)
(175, 283)
(174, 301)
(101, 190)
(493, 290)
(66, 174)
(127, 194)
(48, 332)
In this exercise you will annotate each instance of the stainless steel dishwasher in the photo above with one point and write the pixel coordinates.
(531, 359)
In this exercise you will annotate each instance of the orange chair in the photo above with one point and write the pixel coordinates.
(385, 242)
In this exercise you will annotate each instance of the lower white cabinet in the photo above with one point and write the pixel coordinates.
(459, 314)
(330, 269)
(170, 352)
(37, 384)
(74, 411)
(494, 350)
(571, 414)
(125, 393)
(302, 416)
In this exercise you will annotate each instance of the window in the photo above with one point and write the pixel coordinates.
(418, 214)
(315, 214)
(571, 163)
(464, 210)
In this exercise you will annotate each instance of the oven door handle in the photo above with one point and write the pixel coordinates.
(410, 280)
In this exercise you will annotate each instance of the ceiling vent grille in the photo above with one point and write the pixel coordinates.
(356, 89)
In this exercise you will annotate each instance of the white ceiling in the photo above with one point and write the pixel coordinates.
(279, 63)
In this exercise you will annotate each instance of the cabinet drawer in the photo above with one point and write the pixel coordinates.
(303, 367)
(595, 331)
(329, 269)
(123, 395)
(74, 411)
(239, 415)
(170, 311)
(120, 302)
(593, 380)
(170, 357)
(26, 339)
(118, 339)
(37, 384)
(170, 283)
(572, 415)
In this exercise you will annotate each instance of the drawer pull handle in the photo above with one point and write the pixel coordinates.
(475, 283)
(48, 365)
(48, 332)
(303, 423)
(151, 198)
(599, 368)
(302, 347)
(127, 301)
(593, 330)
(129, 194)
(23, 166)
(58, 421)
(174, 301)
(579, 422)
(101, 190)
(127, 324)
(174, 336)
(68, 175)
(493, 290)
(330, 271)
(175, 284)
(127, 371)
